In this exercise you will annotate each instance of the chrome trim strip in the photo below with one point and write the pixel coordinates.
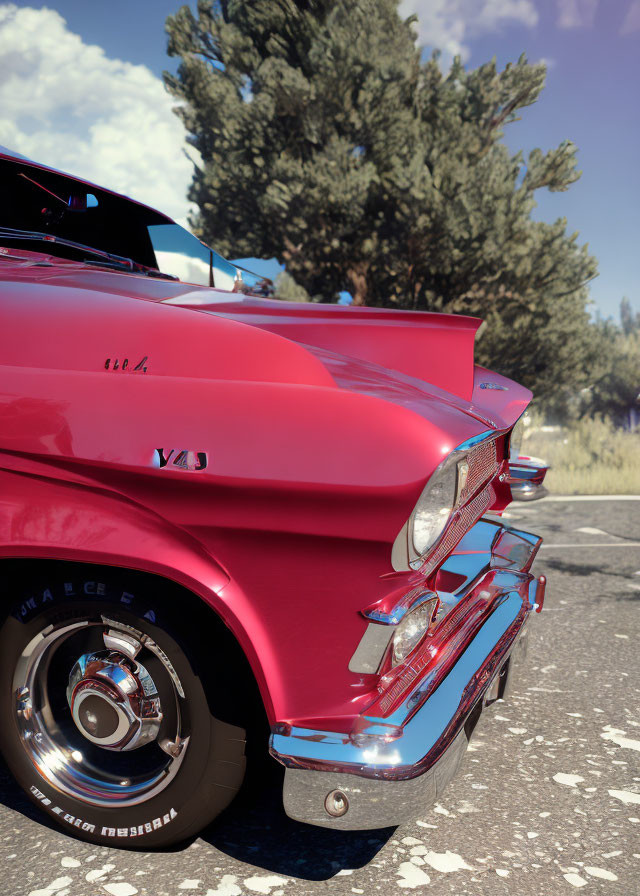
(410, 601)
(476, 440)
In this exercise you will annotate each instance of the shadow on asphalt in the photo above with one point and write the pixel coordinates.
(582, 570)
(585, 570)
(14, 798)
(254, 830)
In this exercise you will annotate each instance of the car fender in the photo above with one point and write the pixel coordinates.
(48, 519)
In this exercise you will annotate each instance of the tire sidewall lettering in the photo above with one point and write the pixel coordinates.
(56, 595)
(115, 833)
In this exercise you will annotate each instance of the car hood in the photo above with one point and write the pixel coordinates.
(418, 360)
(422, 398)
(260, 340)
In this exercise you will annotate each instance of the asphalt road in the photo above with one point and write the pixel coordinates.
(548, 800)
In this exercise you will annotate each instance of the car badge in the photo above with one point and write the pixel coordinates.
(183, 459)
(141, 366)
(495, 386)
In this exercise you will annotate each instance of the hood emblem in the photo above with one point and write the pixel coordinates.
(182, 458)
(495, 386)
(116, 365)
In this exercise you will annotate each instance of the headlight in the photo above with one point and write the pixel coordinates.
(435, 505)
(453, 483)
(515, 440)
(412, 629)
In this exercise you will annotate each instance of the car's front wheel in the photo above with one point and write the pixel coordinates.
(108, 709)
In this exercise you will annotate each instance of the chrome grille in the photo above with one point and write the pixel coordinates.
(461, 522)
(483, 465)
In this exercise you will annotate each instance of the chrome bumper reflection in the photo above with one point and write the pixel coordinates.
(391, 765)
(526, 476)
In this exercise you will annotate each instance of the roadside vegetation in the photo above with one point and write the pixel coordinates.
(590, 457)
(592, 437)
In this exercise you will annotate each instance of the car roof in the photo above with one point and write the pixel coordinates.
(12, 155)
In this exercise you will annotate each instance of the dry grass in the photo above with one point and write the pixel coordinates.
(592, 457)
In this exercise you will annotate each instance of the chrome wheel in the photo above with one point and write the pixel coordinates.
(98, 709)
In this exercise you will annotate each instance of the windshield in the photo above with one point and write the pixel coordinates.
(43, 204)
(182, 255)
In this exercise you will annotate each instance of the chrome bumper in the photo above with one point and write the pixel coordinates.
(526, 476)
(397, 765)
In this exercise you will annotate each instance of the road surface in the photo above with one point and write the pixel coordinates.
(547, 802)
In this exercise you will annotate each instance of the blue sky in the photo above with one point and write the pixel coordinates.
(592, 48)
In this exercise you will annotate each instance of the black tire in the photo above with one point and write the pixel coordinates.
(202, 654)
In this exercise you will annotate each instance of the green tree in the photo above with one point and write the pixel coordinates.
(327, 142)
(288, 290)
(629, 319)
(614, 388)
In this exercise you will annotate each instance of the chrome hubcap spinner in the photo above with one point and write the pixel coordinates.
(114, 701)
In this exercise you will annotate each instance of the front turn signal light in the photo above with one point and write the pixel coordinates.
(413, 628)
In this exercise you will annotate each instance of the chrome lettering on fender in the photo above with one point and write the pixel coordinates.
(183, 459)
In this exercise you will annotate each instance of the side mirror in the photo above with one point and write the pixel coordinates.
(80, 202)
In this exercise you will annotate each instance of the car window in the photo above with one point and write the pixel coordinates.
(181, 254)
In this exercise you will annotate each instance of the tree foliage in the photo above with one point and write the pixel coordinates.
(614, 389)
(327, 142)
(288, 290)
(629, 320)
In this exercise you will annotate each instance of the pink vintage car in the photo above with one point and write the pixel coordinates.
(219, 510)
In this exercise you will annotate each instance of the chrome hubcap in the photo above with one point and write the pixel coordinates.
(98, 706)
(114, 701)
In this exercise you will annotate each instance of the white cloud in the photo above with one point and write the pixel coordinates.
(576, 13)
(632, 19)
(66, 104)
(448, 24)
